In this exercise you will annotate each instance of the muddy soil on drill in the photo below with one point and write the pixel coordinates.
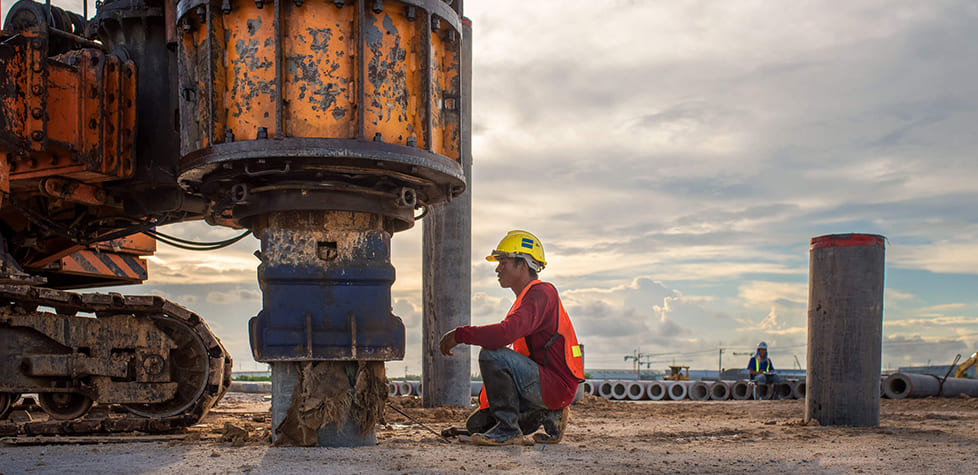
(915, 436)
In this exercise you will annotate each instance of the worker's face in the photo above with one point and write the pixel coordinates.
(762, 352)
(509, 271)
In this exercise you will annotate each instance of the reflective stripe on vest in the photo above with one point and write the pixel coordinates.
(572, 350)
(757, 365)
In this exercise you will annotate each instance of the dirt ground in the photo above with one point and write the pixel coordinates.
(915, 436)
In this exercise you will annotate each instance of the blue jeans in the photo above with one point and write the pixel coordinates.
(767, 379)
(526, 375)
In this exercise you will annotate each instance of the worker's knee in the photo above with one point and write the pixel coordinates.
(490, 355)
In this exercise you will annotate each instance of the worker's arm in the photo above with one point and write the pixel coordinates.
(524, 320)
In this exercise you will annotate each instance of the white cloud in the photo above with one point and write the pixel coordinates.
(233, 296)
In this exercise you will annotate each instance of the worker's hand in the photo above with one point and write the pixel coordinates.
(447, 343)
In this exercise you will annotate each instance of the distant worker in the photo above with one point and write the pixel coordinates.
(533, 383)
(761, 368)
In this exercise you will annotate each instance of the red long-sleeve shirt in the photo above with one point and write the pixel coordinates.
(536, 319)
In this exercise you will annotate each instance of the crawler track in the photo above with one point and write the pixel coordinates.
(170, 386)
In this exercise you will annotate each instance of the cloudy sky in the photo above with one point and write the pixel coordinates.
(676, 158)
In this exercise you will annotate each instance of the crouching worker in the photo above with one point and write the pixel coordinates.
(533, 383)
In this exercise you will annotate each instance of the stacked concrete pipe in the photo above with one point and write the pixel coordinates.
(635, 390)
(619, 390)
(591, 387)
(677, 390)
(720, 390)
(417, 388)
(742, 390)
(605, 389)
(656, 390)
(699, 391)
(783, 390)
(391, 388)
(404, 388)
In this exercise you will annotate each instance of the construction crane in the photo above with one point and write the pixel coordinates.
(321, 128)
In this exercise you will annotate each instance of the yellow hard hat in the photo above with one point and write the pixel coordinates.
(520, 244)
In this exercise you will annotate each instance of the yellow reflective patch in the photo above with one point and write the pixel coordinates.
(576, 351)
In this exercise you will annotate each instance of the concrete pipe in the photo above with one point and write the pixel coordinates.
(605, 389)
(635, 390)
(391, 388)
(845, 328)
(742, 390)
(906, 385)
(954, 387)
(799, 390)
(417, 388)
(762, 391)
(656, 390)
(475, 387)
(699, 391)
(404, 388)
(677, 390)
(782, 391)
(720, 391)
(882, 386)
(619, 390)
(260, 387)
(591, 387)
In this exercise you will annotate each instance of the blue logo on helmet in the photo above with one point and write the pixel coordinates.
(528, 243)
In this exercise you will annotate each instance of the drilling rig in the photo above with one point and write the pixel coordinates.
(321, 127)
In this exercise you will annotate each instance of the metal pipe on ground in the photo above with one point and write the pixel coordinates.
(655, 390)
(741, 390)
(619, 390)
(677, 390)
(699, 391)
(720, 391)
(635, 390)
(845, 329)
(605, 389)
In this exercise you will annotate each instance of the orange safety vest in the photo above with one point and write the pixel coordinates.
(572, 351)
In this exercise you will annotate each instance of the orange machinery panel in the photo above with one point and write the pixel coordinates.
(72, 115)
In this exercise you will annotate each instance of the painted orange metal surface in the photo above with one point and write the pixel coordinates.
(73, 191)
(395, 55)
(122, 267)
(74, 117)
(320, 70)
(234, 62)
(251, 67)
(445, 139)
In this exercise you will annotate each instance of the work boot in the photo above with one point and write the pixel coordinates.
(480, 421)
(504, 405)
(554, 424)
